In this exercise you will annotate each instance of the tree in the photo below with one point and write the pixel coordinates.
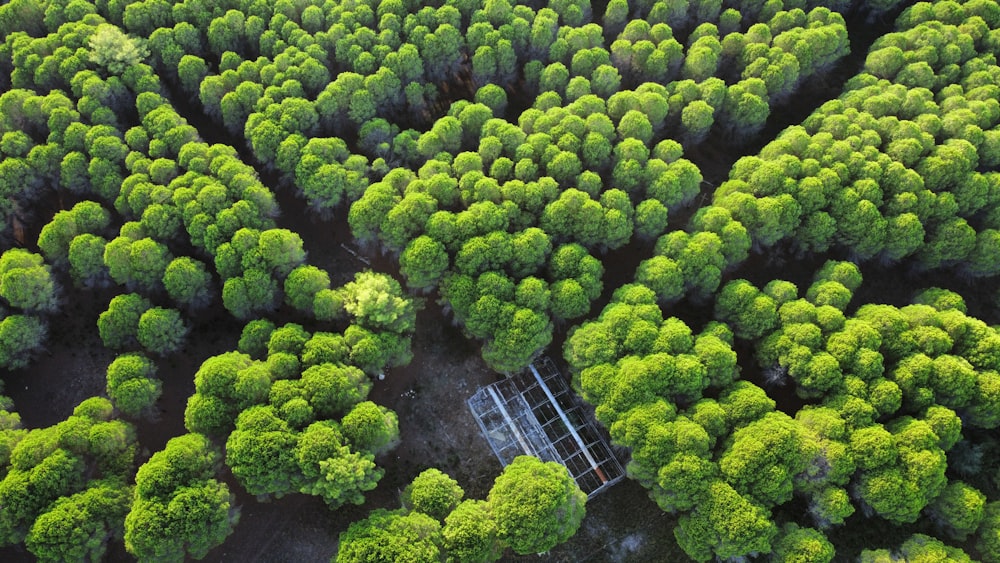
(725, 524)
(919, 547)
(802, 544)
(21, 337)
(374, 352)
(86, 260)
(114, 51)
(370, 427)
(650, 219)
(26, 282)
(376, 301)
(261, 452)
(662, 275)
(516, 342)
(196, 518)
(332, 390)
(179, 509)
(281, 250)
(161, 331)
(537, 505)
(344, 477)
(325, 348)
(636, 124)
(302, 285)
(958, 510)
(188, 282)
(119, 325)
(763, 458)
(697, 119)
(251, 294)
(470, 533)
(750, 312)
(137, 263)
(215, 404)
(255, 337)
(423, 262)
(574, 216)
(29, 488)
(988, 540)
(56, 236)
(569, 300)
(433, 493)
(131, 384)
(493, 97)
(192, 69)
(530, 249)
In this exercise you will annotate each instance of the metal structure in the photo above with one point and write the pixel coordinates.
(535, 413)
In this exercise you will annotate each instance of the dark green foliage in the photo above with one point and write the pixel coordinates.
(55, 237)
(27, 490)
(422, 262)
(988, 542)
(470, 533)
(255, 338)
(64, 488)
(302, 285)
(86, 259)
(213, 408)
(725, 524)
(802, 544)
(261, 452)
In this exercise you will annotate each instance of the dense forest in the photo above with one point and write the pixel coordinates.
(257, 254)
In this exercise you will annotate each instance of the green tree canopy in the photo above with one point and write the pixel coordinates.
(537, 505)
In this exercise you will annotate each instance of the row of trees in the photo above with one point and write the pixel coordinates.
(532, 507)
(900, 166)
(194, 222)
(890, 392)
(863, 378)
(174, 191)
(379, 55)
(731, 15)
(383, 71)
